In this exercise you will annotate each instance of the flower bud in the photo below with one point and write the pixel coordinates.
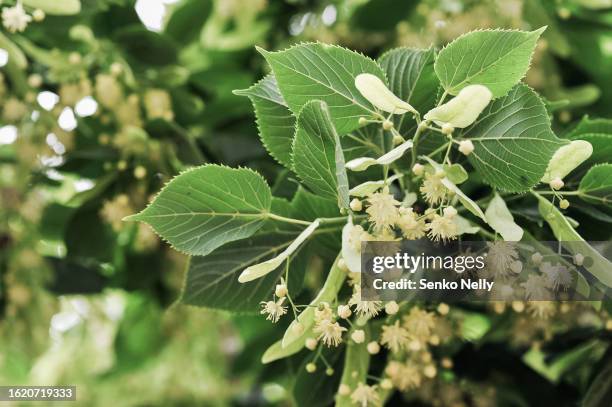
(387, 125)
(342, 265)
(564, 204)
(38, 15)
(140, 172)
(447, 128)
(450, 212)
(557, 184)
(376, 92)
(356, 205)
(466, 147)
(116, 68)
(397, 140)
(373, 348)
(358, 336)
(74, 58)
(311, 343)
(344, 311)
(578, 259)
(391, 308)
(386, 384)
(329, 371)
(344, 390)
(281, 290)
(35, 80)
(443, 309)
(537, 258)
(516, 267)
(430, 371)
(418, 169)
(311, 367)
(363, 121)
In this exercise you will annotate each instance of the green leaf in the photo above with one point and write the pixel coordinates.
(513, 141)
(187, 19)
(56, 7)
(327, 72)
(570, 239)
(497, 59)
(317, 154)
(412, 78)
(588, 125)
(274, 119)
(501, 220)
(207, 207)
(596, 185)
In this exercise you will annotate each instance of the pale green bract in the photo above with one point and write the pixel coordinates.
(463, 109)
(376, 92)
(501, 220)
(363, 163)
(513, 141)
(259, 270)
(317, 153)
(327, 72)
(566, 159)
(497, 59)
(207, 207)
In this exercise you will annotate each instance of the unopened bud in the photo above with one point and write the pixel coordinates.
(329, 371)
(373, 348)
(443, 309)
(578, 259)
(447, 128)
(356, 205)
(391, 308)
(557, 184)
(344, 311)
(564, 204)
(344, 390)
(386, 384)
(38, 15)
(281, 290)
(418, 169)
(363, 121)
(311, 368)
(397, 140)
(387, 125)
(358, 336)
(537, 258)
(466, 147)
(311, 343)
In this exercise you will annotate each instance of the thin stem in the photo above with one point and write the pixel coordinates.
(288, 220)
(415, 141)
(442, 98)
(556, 192)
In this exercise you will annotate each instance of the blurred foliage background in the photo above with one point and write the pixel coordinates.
(103, 101)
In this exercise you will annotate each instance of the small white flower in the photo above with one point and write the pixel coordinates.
(578, 259)
(382, 209)
(330, 333)
(556, 276)
(15, 19)
(442, 228)
(433, 189)
(365, 395)
(366, 309)
(536, 288)
(418, 169)
(275, 310)
(394, 337)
